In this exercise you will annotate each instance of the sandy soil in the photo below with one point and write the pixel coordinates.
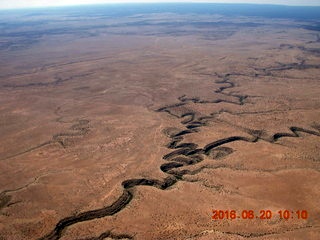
(139, 131)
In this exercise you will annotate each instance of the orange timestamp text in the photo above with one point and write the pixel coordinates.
(261, 214)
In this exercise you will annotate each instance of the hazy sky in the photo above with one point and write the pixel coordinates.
(43, 3)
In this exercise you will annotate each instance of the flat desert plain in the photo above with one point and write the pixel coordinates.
(142, 126)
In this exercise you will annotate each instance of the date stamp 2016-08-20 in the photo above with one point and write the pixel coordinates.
(264, 214)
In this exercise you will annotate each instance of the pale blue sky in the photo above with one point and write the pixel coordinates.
(4, 4)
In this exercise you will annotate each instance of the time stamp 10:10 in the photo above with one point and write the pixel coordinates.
(262, 214)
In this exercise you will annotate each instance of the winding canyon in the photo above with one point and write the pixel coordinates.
(137, 127)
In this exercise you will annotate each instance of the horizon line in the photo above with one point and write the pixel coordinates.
(155, 2)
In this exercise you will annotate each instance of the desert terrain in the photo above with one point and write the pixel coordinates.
(139, 126)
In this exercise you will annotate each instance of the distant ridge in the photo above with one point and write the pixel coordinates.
(125, 9)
